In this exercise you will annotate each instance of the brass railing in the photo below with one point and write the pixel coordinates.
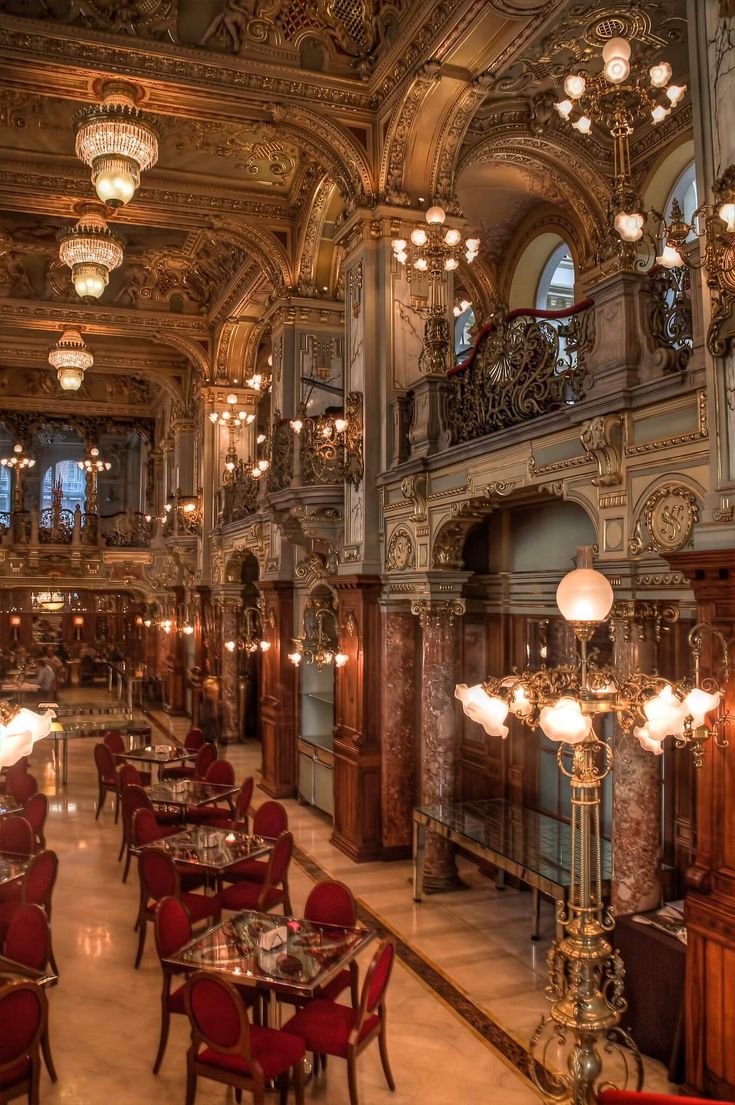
(524, 364)
(128, 529)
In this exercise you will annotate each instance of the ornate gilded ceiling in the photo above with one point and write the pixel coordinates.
(277, 119)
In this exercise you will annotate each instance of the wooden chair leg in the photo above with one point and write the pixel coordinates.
(352, 1079)
(383, 1044)
(100, 800)
(52, 957)
(141, 940)
(298, 1083)
(354, 987)
(117, 806)
(191, 1082)
(127, 866)
(123, 842)
(165, 1022)
(47, 1057)
(283, 1089)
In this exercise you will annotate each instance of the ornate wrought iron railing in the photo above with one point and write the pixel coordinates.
(282, 450)
(5, 521)
(128, 529)
(671, 314)
(242, 494)
(55, 526)
(524, 364)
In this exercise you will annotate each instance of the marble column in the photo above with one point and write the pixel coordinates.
(636, 883)
(229, 668)
(439, 728)
(398, 727)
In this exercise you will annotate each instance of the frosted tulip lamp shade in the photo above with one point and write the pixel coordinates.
(488, 711)
(20, 732)
(584, 595)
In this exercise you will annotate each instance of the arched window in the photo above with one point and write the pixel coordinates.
(555, 289)
(685, 191)
(463, 324)
(5, 490)
(72, 483)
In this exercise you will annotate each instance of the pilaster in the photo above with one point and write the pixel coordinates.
(278, 716)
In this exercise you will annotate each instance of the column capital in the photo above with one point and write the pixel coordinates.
(442, 609)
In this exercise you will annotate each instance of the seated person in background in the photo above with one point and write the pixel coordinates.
(57, 665)
(44, 677)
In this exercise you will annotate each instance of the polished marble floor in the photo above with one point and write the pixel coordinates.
(105, 1015)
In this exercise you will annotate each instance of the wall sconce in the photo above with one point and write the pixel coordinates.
(254, 636)
(318, 645)
(334, 442)
(15, 623)
(78, 623)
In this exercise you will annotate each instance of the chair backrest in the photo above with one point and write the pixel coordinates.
(331, 903)
(279, 860)
(40, 878)
(222, 773)
(23, 1011)
(194, 740)
(244, 798)
(128, 776)
(270, 820)
(206, 756)
(144, 827)
(173, 927)
(22, 786)
(15, 773)
(27, 941)
(217, 1015)
(376, 980)
(114, 742)
(135, 798)
(158, 874)
(105, 761)
(35, 810)
(630, 1097)
(16, 835)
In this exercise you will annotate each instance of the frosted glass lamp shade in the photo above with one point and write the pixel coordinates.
(647, 742)
(18, 736)
(487, 710)
(699, 703)
(584, 595)
(665, 714)
(564, 721)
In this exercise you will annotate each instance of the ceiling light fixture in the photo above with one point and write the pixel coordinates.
(117, 141)
(71, 358)
(92, 251)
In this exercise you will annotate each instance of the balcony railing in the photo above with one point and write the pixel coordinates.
(671, 314)
(524, 364)
(127, 529)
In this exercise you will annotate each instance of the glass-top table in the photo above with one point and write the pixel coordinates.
(212, 850)
(8, 804)
(188, 792)
(283, 954)
(530, 846)
(74, 726)
(12, 867)
(10, 971)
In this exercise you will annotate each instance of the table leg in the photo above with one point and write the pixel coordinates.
(419, 853)
(65, 773)
(535, 913)
(57, 765)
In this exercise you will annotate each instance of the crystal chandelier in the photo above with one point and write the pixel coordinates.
(71, 358)
(619, 96)
(92, 251)
(435, 252)
(117, 141)
(585, 976)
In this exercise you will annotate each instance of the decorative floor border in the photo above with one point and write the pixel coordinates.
(508, 1049)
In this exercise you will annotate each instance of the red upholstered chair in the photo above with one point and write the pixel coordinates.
(270, 821)
(23, 1015)
(114, 742)
(35, 888)
(173, 931)
(16, 835)
(35, 811)
(146, 830)
(29, 942)
(269, 893)
(226, 1048)
(628, 1097)
(332, 903)
(328, 1028)
(159, 878)
(20, 783)
(106, 777)
(135, 798)
(222, 774)
(194, 740)
(206, 754)
(130, 775)
(239, 819)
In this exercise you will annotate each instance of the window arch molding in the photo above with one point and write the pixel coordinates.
(533, 247)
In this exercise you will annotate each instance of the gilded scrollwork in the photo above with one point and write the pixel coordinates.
(668, 517)
(602, 438)
(401, 552)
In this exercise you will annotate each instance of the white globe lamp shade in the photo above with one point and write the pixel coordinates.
(115, 179)
(487, 710)
(436, 215)
(90, 280)
(70, 379)
(584, 596)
